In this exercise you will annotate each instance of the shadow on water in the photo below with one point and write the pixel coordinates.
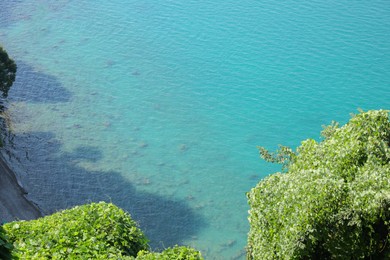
(11, 11)
(55, 182)
(6, 14)
(37, 87)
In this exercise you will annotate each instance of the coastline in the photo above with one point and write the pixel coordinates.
(13, 203)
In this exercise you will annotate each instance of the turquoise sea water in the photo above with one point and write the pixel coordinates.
(158, 106)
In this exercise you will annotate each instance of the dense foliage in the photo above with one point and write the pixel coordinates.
(7, 72)
(5, 245)
(97, 231)
(93, 231)
(177, 253)
(333, 201)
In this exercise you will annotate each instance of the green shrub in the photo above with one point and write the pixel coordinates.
(96, 231)
(7, 72)
(5, 245)
(177, 253)
(333, 201)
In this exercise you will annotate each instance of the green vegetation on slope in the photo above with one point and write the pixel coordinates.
(99, 230)
(7, 72)
(92, 231)
(5, 245)
(333, 202)
(7, 78)
(177, 253)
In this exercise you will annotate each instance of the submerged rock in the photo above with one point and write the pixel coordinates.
(183, 147)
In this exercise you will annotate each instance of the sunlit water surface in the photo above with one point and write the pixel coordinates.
(158, 106)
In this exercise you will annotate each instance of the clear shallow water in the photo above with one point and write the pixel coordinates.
(159, 106)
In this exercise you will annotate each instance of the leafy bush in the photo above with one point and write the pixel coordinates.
(177, 253)
(333, 202)
(97, 231)
(7, 72)
(5, 245)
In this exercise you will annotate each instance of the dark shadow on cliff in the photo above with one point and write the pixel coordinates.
(36, 87)
(55, 178)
